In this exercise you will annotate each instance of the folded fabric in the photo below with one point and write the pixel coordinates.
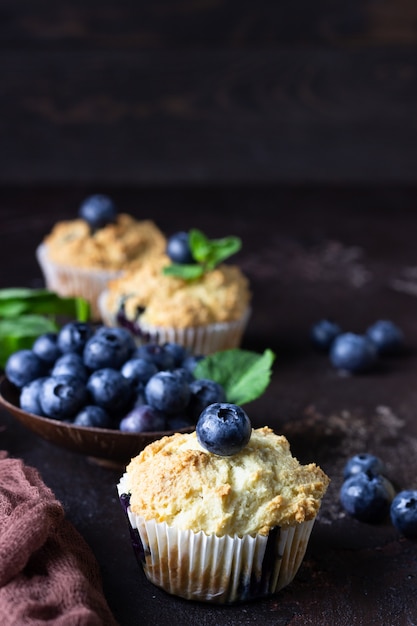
(48, 573)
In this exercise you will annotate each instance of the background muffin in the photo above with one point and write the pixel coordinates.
(204, 308)
(221, 528)
(78, 257)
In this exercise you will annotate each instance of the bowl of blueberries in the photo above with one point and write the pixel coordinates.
(92, 390)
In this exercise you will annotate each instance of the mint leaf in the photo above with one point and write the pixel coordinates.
(243, 374)
(21, 332)
(208, 253)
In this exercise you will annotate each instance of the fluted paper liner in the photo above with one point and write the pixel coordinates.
(198, 339)
(75, 281)
(220, 570)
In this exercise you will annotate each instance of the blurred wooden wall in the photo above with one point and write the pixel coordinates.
(208, 92)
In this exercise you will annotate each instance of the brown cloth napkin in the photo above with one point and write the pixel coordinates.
(48, 573)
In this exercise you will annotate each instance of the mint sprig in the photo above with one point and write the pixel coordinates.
(208, 254)
(27, 313)
(243, 374)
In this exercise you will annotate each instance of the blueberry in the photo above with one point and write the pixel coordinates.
(177, 351)
(94, 416)
(223, 429)
(167, 392)
(364, 462)
(144, 418)
(108, 347)
(178, 248)
(61, 397)
(353, 353)
(98, 210)
(190, 362)
(29, 397)
(110, 390)
(23, 366)
(404, 513)
(73, 336)
(367, 497)
(71, 364)
(204, 392)
(46, 347)
(323, 333)
(386, 336)
(184, 374)
(156, 354)
(138, 370)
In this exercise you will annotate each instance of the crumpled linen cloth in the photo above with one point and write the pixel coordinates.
(48, 573)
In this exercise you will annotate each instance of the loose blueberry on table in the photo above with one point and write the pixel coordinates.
(364, 462)
(387, 337)
(353, 353)
(367, 496)
(403, 513)
(323, 333)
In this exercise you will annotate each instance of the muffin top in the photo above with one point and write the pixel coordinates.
(175, 480)
(219, 295)
(125, 243)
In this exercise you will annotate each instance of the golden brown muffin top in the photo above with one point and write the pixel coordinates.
(177, 481)
(220, 295)
(126, 243)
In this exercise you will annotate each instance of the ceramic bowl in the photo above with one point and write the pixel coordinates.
(102, 445)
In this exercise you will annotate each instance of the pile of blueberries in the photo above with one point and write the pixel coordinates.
(369, 496)
(98, 377)
(356, 353)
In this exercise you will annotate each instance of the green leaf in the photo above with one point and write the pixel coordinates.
(186, 272)
(21, 332)
(243, 374)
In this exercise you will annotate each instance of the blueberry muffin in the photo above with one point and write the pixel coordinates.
(78, 257)
(221, 527)
(206, 313)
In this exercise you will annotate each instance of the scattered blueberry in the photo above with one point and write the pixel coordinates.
(364, 462)
(323, 333)
(177, 352)
(144, 418)
(98, 210)
(61, 397)
(178, 248)
(156, 354)
(24, 366)
(73, 336)
(386, 336)
(46, 347)
(367, 497)
(167, 392)
(92, 415)
(403, 513)
(223, 428)
(190, 362)
(353, 353)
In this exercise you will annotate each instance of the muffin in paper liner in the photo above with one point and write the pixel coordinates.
(199, 339)
(208, 568)
(73, 281)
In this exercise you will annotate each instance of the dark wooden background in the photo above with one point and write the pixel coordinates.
(174, 92)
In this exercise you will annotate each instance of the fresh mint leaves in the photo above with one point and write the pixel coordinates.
(27, 313)
(208, 253)
(243, 374)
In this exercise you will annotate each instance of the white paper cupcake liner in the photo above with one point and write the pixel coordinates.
(221, 570)
(75, 281)
(199, 340)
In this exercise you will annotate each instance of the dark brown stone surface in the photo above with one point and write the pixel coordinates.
(345, 253)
